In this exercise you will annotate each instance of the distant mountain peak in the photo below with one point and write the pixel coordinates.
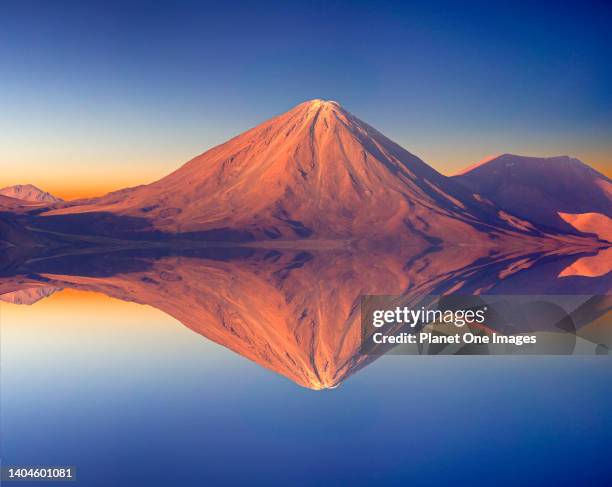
(538, 189)
(509, 160)
(530, 163)
(29, 192)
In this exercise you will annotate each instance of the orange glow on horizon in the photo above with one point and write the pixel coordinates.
(76, 191)
(70, 183)
(97, 182)
(75, 300)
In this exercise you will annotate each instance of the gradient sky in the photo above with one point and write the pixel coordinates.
(98, 97)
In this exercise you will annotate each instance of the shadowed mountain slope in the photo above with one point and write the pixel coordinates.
(539, 189)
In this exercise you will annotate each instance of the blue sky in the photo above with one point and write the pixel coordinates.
(110, 94)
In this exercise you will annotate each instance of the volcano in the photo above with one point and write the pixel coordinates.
(314, 172)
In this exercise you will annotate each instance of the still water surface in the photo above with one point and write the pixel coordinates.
(129, 395)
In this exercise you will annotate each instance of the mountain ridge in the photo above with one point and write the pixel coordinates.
(540, 189)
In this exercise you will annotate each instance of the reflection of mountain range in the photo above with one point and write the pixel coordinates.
(295, 312)
(29, 295)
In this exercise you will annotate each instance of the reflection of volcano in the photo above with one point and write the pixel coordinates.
(295, 312)
(29, 295)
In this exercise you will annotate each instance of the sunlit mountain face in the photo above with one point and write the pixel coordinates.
(297, 311)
